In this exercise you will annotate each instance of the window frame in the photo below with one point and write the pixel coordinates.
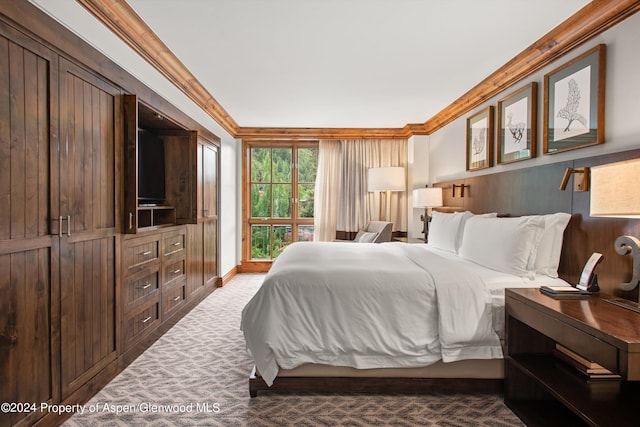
(248, 221)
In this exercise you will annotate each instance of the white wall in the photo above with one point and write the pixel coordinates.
(622, 109)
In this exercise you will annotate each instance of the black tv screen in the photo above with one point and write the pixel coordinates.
(150, 168)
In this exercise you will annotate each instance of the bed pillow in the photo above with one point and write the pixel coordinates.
(548, 254)
(365, 237)
(508, 245)
(445, 230)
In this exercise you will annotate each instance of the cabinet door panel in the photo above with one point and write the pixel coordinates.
(90, 139)
(210, 207)
(27, 357)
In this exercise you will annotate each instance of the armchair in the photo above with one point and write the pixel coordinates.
(374, 232)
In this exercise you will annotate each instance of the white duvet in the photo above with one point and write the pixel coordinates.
(373, 306)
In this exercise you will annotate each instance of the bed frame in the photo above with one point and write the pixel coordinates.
(527, 191)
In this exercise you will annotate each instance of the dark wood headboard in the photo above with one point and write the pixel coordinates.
(535, 190)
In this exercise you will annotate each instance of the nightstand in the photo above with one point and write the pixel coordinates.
(541, 389)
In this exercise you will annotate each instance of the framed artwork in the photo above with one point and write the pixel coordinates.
(517, 121)
(480, 140)
(574, 103)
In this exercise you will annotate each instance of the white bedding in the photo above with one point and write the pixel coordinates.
(373, 305)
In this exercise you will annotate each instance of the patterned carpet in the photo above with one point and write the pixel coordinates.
(197, 374)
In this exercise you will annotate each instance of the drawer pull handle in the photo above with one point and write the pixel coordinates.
(145, 253)
(176, 271)
(148, 285)
(177, 298)
(146, 320)
(176, 244)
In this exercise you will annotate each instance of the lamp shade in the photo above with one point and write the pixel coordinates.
(615, 190)
(386, 179)
(428, 197)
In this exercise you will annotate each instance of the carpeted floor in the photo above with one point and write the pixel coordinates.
(197, 374)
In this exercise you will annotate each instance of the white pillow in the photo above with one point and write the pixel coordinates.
(445, 230)
(449, 228)
(550, 246)
(365, 237)
(504, 244)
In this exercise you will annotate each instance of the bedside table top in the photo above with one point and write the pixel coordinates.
(609, 322)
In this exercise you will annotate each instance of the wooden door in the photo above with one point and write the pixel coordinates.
(26, 352)
(90, 140)
(210, 213)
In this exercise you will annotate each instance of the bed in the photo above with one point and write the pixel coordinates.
(334, 316)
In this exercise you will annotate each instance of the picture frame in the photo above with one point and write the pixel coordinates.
(574, 96)
(518, 125)
(480, 139)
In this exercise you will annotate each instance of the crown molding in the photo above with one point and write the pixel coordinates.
(591, 20)
(322, 133)
(124, 22)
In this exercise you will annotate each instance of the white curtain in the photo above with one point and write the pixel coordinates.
(353, 206)
(327, 190)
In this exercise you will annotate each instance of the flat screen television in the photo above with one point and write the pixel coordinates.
(151, 180)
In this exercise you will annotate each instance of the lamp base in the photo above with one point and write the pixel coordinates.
(624, 303)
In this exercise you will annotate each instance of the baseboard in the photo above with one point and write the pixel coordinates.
(230, 275)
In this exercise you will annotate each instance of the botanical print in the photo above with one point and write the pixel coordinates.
(516, 125)
(479, 140)
(571, 103)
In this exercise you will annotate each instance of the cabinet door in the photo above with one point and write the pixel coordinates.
(90, 136)
(26, 353)
(210, 213)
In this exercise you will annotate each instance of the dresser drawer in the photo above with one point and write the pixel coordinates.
(174, 271)
(141, 253)
(174, 243)
(138, 287)
(143, 319)
(172, 298)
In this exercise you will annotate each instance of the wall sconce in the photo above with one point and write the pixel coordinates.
(615, 193)
(461, 187)
(580, 179)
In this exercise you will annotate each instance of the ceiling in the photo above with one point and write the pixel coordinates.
(334, 63)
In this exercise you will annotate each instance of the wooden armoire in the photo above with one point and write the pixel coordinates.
(67, 305)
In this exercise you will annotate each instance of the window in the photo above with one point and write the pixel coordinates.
(279, 196)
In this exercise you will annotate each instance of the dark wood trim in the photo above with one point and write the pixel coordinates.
(248, 133)
(374, 385)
